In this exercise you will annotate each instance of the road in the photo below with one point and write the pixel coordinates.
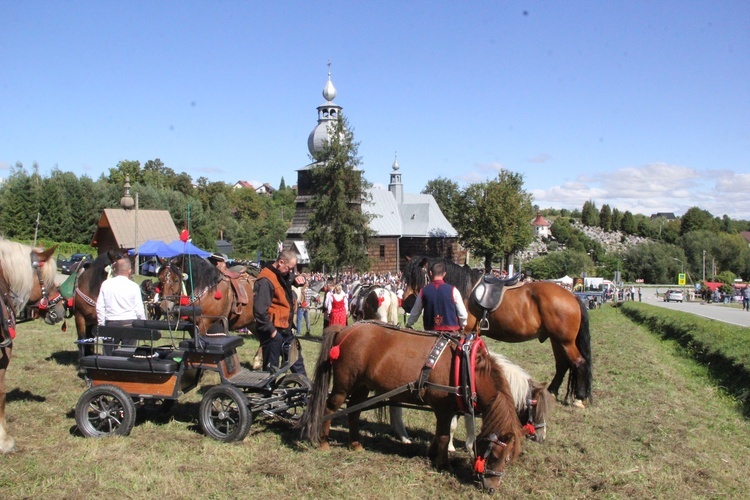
(721, 312)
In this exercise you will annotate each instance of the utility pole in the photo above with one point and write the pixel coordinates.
(704, 266)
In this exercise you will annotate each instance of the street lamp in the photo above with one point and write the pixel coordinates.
(682, 263)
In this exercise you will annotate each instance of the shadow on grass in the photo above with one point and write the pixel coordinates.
(19, 395)
(732, 377)
(64, 358)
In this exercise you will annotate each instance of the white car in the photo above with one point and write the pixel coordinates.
(674, 296)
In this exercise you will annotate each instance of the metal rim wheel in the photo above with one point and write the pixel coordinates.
(299, 401)
(105, 410)
(224, 414)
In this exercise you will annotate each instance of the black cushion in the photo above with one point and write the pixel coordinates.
(213, 345)
(154, 365)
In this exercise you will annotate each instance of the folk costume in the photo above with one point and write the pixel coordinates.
(443, 307)
(273, 307)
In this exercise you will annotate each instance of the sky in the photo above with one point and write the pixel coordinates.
(642, 105)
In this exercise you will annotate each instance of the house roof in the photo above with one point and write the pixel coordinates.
(540, 220)
(243, 184)
(152, 225)
(746, 235)
(418, 216)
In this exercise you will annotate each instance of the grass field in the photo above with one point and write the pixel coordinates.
(658, 428)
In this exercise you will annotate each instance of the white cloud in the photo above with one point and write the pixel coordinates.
(540, 158)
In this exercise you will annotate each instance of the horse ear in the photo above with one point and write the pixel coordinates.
(423, 263)
(162, 260)
(44, 255)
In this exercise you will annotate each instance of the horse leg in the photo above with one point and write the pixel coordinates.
(397, 421)
(7, 444)
(567, 357)
(358, 396)
(454, 426)
(561, 368)
(438, 451)
(334, 402)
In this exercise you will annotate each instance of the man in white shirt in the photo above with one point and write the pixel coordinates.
(119, 301)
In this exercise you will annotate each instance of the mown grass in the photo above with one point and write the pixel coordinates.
(659, 428)
(722, 347)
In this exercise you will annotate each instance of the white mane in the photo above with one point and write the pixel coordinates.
(518, 379)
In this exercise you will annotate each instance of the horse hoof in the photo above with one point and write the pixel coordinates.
(578, 404)
(451, 448)
(405, 440)
(356, 446)
(9, 446)
(324, 446)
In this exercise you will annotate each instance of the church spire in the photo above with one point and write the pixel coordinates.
(328, 113)
(395, 187)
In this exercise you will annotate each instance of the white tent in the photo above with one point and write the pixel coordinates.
(565, 280)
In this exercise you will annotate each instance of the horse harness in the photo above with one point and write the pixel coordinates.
(463, 380)
(7, 314)
(45, 303)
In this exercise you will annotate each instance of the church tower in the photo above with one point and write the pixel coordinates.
(328, 113)
(395, 186)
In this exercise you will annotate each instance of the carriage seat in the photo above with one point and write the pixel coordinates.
(132, 364)
(212, 345)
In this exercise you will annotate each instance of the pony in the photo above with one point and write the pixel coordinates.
(531, 399)
(89, 278)
(192, 280)
(368, 356)
(537, 310)
(27, 276)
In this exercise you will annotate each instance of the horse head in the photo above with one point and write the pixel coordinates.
(170, 279)
(44, 296)
(493, 455)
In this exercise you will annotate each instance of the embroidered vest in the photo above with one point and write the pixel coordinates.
(280, 311)
(440, 312)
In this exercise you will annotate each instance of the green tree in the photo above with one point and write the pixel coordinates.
(338, 230)
(589, 214)
(447, 195)
(493, 217)
(696, 219)
(628, 224)
(605, 218)
(126, 168)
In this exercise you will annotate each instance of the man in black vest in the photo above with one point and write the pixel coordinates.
(443, 306)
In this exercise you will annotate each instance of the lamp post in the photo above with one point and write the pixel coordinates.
(681, 263)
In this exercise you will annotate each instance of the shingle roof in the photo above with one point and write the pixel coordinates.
(152, 225)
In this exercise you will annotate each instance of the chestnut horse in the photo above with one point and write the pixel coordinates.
(192, 280)
(537, 310)
(27, 276)
(381, 358)
(89, 279)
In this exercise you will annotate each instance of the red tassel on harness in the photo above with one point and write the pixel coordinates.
(217, 295)
(12, 332)
(71, 302)
(64, 327)
(334, 353)
(380, 301)
(479, 465)
(530, 430)
(157, 289)
(184, 300)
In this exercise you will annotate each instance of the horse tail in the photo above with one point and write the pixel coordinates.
(393, 309)
(311, 421)
(583, 343)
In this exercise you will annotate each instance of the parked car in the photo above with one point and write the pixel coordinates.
(71, 265)
(674, 296)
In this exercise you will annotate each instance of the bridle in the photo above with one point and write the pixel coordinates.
(480, 463)
(531, 427)
(46, 303)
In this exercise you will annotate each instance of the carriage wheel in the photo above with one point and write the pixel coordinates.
(297, 402)
(105, 410)
(224, 414)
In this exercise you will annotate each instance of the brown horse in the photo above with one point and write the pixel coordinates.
(83, 303)
(380, 358)
(205, 286)
(27, 276)
(538, 310)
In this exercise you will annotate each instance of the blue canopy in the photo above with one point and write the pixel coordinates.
(156, 248)
(188, 248)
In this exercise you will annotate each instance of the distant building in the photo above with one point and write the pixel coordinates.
(403, 224)
(118, 228)
(243, 185)
(265, 189)
(541, 226)
(664, 215)
(746, 235)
